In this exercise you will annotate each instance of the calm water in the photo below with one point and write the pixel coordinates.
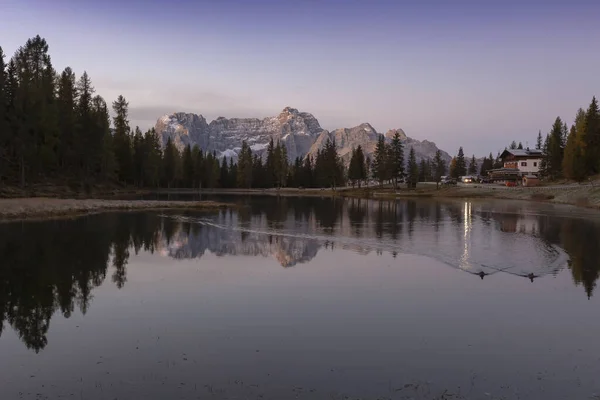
(304, 298)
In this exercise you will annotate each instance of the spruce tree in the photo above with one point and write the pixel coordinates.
(422, 171)
(4, 127)
(122, 140)
(520, 146)
(187, 167)
(555, 150)
(199, 170)
(453, 171)
(539, 143)
(106, 165)
(87, 144)
(270, 177)
(224, 178)
(592, 138)
(378, 168)
(513, 145)
(461, 164)
(397, 159)
(170, 160)
(438, 167)
(412, 170)
(67, 122)
(244, 171)
(307, 172)
(473, 166)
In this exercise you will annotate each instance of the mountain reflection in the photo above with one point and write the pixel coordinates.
(53, 266)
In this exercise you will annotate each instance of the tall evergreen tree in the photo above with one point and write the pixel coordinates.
(453, 168)
(356, 170)
(67, 122)
(378, 167)
(106, 165)
(170, 160)
(461, 164)
(520, 146)
(122, 140)
(438, 167)
(5, 134)
(244, 171)
(513, 145)
(187, 167)
(473, 166)
(591, 139)
(555, 150)
(539, 142)
(397, 159)
(412, 170)
(87, 144)
(270, 166)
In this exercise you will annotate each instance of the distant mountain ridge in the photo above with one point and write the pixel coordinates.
(299, 131)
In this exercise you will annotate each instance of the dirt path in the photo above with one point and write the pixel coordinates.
(40, 207)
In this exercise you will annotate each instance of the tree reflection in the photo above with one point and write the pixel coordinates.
(54, 266)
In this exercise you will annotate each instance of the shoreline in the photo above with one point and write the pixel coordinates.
(42, 208)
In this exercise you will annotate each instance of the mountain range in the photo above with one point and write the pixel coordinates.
(299, 131)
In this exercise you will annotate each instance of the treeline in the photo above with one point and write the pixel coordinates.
(388, 165)
(567, 153)
(573, 153)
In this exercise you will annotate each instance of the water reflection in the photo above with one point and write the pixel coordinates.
(50, 267)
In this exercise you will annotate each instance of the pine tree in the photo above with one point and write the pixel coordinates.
(412, 170)
(270, 177)
(88, 146)
(461, 164)
(591, 140)
(187, 167)
(170, 160)
(66, 104)
(224, 174)
(397, 159)
(438, 167)
(199, 170)
(520, 146)
(307, 172)
(106, 164)
(453, 169)
(5, 134)
(544, 165)
(539, 143)
(122, 140)
(378, 167)
(513, 145)
(356, 169)
(153, 161)
(473, 166)
(422, 170)
(244, 171)
(554, 150)
(569, 155)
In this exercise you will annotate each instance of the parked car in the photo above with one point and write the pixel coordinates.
(448, 181)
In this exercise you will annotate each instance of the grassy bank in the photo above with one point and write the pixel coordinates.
(582, 196)
(42, 208)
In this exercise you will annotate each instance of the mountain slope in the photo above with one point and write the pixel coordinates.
(299, 131)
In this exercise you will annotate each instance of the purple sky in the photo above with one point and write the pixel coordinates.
(475, 73)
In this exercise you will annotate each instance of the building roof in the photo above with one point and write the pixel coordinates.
(522, 153)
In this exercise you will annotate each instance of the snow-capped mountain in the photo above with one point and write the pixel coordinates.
(299, 131)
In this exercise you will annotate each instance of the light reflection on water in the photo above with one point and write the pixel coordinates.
(373, 302)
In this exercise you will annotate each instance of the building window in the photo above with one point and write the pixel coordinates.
(523, 163)
(535, 164)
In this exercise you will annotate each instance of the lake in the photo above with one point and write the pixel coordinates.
(304, 298)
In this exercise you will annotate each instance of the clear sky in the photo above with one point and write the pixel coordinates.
(476, 73)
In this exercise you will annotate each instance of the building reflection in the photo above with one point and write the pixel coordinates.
(43, 273)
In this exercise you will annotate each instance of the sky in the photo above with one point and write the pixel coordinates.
(471, 73)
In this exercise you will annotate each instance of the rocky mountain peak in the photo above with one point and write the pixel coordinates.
(299, 131)
(390, 134)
